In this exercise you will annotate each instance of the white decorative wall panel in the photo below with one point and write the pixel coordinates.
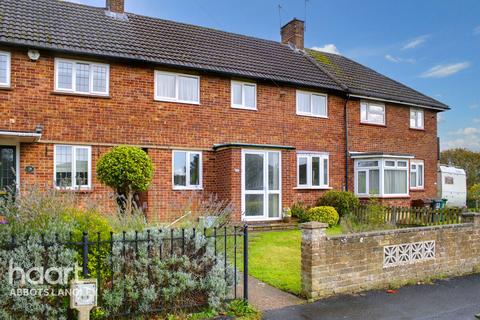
(408, 253)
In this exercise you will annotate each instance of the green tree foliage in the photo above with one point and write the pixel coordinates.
(465, 159)
(127, 170)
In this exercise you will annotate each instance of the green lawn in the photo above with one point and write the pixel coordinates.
(274, 257)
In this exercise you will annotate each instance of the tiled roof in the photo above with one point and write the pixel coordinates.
(72, 27)
(76, 28)
(363, 81)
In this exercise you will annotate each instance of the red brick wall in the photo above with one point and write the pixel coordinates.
(131, 116)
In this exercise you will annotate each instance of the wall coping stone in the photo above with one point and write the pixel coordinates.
(313, 225)
(398, 231)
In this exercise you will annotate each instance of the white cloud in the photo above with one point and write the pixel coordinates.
(415, 42)
(394, 59)
(476, 30)
(442, 71)
(467, 137)
(476, 120)
(329, 48)
(474, 106)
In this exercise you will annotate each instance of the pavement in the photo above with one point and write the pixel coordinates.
(453, 299)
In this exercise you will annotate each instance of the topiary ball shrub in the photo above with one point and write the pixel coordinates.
(125, 169)
(343, 201)
(325, 214)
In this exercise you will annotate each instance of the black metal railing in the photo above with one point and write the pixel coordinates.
(99, 255)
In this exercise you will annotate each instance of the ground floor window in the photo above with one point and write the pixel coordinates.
(187, 170)
(416, 174)
(381, 177)
(73, 166)
(312, 170)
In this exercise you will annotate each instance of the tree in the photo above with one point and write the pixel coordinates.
(127, 170)
(465, 159)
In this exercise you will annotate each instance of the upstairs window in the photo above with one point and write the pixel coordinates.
(416, 174)
(4, 69)
(81, 77)
(187, 170)
(312, 170)
(244, 95)
(372, 112)
(73, 166)
(175, 87)
(311, 104)
(416, 119)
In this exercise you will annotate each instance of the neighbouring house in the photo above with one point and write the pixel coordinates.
(258, 122)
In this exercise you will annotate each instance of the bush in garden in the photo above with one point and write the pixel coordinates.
(369, 218)
(126, 169)
(32, 253)
(143, 280)
(298, 210)
(325, 214)
(343, 201)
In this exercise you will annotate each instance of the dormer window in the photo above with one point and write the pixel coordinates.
(72, 76)
(4, 69)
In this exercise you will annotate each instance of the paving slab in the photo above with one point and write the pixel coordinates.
(453, 299)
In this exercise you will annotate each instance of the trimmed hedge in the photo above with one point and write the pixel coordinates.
(325, 214)
(343, 201)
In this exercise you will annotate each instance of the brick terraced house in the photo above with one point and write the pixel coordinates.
(261, 123)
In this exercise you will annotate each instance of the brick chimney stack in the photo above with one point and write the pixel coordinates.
(117, 6)
(293, 32)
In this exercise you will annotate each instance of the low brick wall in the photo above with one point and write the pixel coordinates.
(364, 261)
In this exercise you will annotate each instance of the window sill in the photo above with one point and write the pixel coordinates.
(6, 88)
(417, 129)
(417, 189)
(311, 116)
(244, 108)
(187, 189)
(176, 101)
(383, 197)
(83, 95)
(312, 188)
(373, 124)
(82, 190)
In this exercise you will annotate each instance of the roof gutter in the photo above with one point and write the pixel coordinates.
(399, 102)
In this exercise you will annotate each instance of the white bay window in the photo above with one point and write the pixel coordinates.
(81, 77)
(384, 177)
(312, 170)
(73, 166)
(175, 87)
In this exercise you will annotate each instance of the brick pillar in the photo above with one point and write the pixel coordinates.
(472, 217)
(313, 257)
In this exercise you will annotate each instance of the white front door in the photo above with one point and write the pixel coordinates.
(261, 185)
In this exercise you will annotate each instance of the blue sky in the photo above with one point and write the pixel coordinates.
(431, 45)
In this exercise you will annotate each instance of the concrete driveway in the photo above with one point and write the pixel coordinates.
(453, 299)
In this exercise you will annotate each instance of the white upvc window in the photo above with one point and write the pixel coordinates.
(416, 118)
(187, 170)
(372, 112)
(381, 177)
(73, 167)
(312, 104)
(417, 174)
(312, 170)
(82, 77)
(244, 95)
(176, 87)
(5, 59)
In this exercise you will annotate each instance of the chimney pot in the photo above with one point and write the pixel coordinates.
(117, 6)
(293, 33)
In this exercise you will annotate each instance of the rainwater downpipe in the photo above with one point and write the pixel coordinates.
(345, 110)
